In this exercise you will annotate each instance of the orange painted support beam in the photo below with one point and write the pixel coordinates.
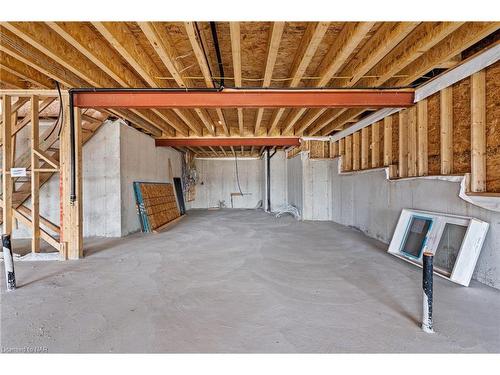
(228, 141)
(229, 98)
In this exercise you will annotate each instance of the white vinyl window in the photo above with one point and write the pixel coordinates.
(455, 241)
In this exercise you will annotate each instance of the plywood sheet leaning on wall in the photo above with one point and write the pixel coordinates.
(493, 128)
(157, 205)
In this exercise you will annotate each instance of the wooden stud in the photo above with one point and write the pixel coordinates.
(412, 141)
(347, 162)
(375, 144)
(35, 176)
(356, 150)
(478, 132)
(446, 118)
(71, 215)
(403, 144)
(7, 163)
(422, 142)
(387, 141)
(334, 149)
(341, 146)
(365, 146)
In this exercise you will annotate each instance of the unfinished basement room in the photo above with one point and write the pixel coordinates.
(250, 186)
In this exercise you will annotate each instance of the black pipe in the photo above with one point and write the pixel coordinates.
(8, 260)
(72, 196)
(268, 175)
(213, 28)
(427, 281)
(167, 89)
(72, 131)
(218, 89)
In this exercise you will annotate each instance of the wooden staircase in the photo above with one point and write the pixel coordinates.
(49, 145)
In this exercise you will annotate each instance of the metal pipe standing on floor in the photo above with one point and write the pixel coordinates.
(427, 292)
(8, 262)
(268, 179)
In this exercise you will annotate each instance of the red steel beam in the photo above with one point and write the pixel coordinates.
(246, 99)
(228, 141)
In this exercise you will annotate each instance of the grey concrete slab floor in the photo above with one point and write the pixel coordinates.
(241, 281)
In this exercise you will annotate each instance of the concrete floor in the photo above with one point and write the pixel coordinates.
(241, 281)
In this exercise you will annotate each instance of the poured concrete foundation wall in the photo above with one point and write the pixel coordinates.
(295, 181)
(114, 157)
(370, 202)
(140, 160)
(278, 180)
(217, 180)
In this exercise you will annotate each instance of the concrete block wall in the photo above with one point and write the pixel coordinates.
(370, 202)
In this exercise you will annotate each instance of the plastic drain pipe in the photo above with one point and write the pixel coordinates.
(8, 261)
(427, 289)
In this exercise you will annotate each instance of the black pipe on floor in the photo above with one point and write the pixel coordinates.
(8, 261)
(427, 282)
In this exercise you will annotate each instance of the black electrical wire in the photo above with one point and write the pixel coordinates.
(237, 172)
(204, 52)
(60, 115)
(213, 27)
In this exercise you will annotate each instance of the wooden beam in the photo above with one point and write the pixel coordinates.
(375, 146)
(379, 45)
(119, 36)
(35, 177)
(344, 45)
(7, 164)
(412, 141)
(478, 132)
(424, 37)
(464, 37)
(272, 53)
(387, 141)
(234, 28)
(475, 63)
(403, 144)
(306, 51)
(162, 45)
(446, 130)
(63, 69)
(23, 51)
(205, 70)
(365, 147)
(356, 151)
(24, 71)
(422, 139)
